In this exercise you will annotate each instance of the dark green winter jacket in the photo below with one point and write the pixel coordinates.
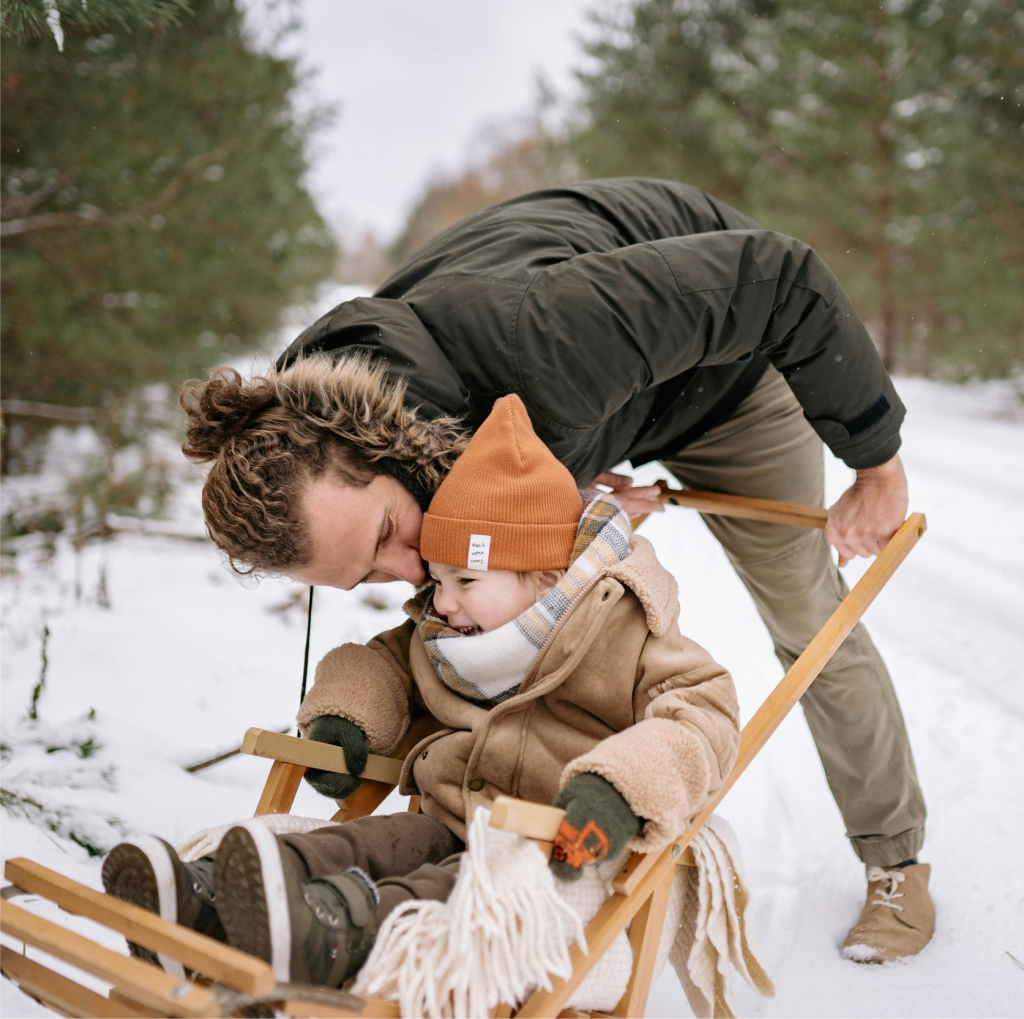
(631, 315)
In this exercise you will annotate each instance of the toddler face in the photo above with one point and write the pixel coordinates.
(483, 600)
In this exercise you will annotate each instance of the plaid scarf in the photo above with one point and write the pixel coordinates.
(488, 668)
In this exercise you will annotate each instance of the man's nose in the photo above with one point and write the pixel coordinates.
(405, 564)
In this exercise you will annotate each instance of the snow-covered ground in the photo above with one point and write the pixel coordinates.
(157, 658)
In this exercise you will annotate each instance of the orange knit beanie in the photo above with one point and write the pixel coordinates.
(507, 503)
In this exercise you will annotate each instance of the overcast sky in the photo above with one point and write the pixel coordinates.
(417, 81)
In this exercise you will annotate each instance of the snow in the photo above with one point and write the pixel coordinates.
(159, 658)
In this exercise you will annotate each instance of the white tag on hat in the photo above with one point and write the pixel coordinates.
(479, 551)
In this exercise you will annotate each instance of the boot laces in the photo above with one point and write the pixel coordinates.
(886, 894)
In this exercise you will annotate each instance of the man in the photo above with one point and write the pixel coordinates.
(638, 320)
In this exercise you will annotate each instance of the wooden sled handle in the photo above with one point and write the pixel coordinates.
(768, 510)
(720, 504)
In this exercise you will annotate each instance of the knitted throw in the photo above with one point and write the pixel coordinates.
(508, 925)
(490, 667)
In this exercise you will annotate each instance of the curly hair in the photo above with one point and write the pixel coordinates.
(268, 436)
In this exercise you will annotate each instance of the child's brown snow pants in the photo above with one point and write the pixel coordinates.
(408, 856)
(766, 449)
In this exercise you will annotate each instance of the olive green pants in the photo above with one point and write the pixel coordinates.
(766, 449)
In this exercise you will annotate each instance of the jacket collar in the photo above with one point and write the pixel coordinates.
(653, 585)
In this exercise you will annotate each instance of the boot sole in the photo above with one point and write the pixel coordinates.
(252, 897)
(140, 871)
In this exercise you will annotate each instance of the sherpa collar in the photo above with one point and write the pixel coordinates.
(490, 667)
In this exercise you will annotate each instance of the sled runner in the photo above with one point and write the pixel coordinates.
(224, 980)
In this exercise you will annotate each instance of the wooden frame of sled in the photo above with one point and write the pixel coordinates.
(226, 980)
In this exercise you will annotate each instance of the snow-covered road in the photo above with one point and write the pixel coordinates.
(184, 658)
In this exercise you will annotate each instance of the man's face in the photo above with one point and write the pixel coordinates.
(361, 534)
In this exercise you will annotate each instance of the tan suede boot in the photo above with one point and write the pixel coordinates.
(898, 918)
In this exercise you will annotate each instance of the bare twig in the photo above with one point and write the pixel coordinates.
(22, 205)
(32, 409)
(192, 768)
(37, 690)
(106, 530)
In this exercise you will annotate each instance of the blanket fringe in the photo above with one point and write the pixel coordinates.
(503, 931)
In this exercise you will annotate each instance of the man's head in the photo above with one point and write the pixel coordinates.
(305, 466)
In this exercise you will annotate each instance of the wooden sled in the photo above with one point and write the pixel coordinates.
(225, 980)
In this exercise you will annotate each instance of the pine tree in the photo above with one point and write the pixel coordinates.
(886, 134)
(154, 214)
(23, 20)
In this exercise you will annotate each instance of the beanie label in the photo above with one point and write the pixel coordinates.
(479, 551)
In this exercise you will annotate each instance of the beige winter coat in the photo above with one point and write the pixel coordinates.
(617, 690)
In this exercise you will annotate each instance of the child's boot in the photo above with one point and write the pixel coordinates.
(147, 872)
(318, 931)
(898, 918)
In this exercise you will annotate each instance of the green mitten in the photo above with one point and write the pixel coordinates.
(347, 735)
(597, 824)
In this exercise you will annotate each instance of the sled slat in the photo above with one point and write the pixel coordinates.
(644, 939)
(58, 992)
(308, 1009)
(311, 753)
(641, 874)
(767, 510)
(825, 644)
(134, 1007)
(237, 970)
(365, 800)
(373, 1008)
(282, 784)
(138, 979)
(533, 820)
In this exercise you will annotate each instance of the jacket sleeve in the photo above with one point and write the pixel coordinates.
(685, 740)
(658, 309)
(369, 684)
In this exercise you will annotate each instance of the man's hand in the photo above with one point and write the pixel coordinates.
(869, 512)
(635, 501)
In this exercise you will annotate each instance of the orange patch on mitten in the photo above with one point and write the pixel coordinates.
(578, 848)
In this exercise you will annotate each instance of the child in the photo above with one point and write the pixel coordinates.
(548, 648)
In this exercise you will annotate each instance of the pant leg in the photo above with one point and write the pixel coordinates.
(766, 449)
(407, 855)
(430, 881)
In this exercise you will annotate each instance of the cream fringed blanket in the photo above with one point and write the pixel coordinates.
(508, 925)
(713, 926)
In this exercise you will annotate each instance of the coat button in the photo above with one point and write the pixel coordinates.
(476, 784)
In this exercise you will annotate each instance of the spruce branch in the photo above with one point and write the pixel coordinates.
(98, 218)
(21, 21)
